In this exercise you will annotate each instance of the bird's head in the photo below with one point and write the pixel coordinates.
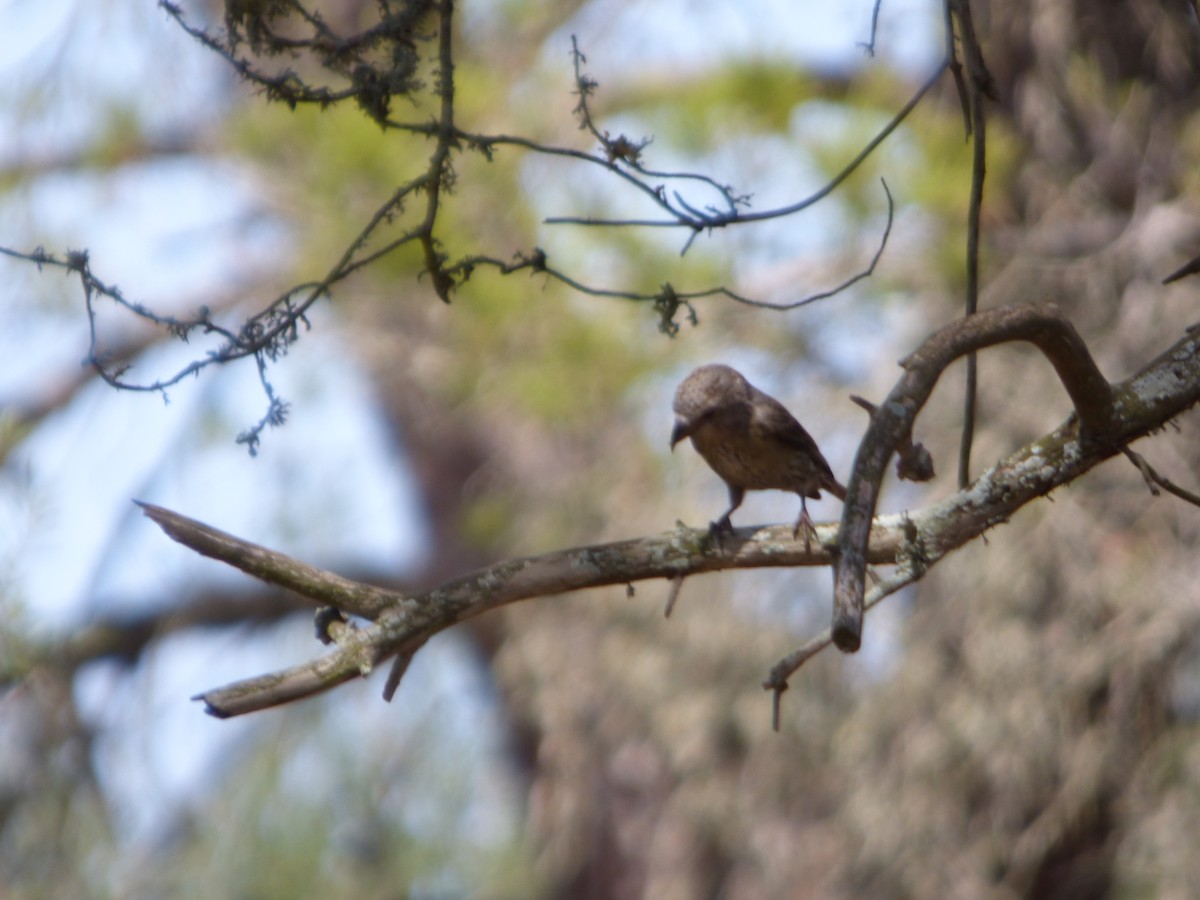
(701, 394)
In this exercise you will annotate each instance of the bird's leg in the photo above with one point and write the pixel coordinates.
(805, 524)
(723, 525)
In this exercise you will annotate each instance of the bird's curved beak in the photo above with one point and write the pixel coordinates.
(681, 430)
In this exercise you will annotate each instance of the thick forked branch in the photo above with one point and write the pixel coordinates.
(403, 622)
(1106, 418)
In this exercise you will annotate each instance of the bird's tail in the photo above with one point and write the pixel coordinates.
(836, 488)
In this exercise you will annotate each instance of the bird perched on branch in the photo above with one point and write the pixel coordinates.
(751, 441)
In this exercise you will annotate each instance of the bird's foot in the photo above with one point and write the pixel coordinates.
(805, 524)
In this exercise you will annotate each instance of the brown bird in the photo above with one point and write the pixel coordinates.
(751, 441)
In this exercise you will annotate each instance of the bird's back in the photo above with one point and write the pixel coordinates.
(759, 445)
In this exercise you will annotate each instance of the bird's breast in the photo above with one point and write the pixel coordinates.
(744, 461)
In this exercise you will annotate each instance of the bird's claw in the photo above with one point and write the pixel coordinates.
(805, 524)
(718, 528)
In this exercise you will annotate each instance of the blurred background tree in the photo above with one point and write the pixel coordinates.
(1023, 722)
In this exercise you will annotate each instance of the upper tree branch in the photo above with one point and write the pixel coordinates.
(371, 69)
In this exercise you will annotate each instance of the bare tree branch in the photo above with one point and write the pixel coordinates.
(403, 621)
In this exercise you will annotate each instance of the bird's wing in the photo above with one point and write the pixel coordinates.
(772, 418)
(772, 421)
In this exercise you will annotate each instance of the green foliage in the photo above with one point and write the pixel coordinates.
(699, 112)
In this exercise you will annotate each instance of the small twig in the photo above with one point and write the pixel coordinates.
(782, 671)
(672, 595)
(537, 262)
(399, 666)
(1144, 467)
(328, 624)
(1154, 480)
(1191, 267)
(296, 683)
(869, 45)
(978, 81)
(776, 698)
(853, 279)
(913, 461)
(679, 219)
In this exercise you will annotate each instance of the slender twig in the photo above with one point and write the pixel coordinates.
(538, 263)
(777, 677)
(869, 45)
(1154, 480)
(977, 82)
(720, 221)
(672, 596)
(1191, 267)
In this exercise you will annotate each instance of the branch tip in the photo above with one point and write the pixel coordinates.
(776, 703)
(672, 595)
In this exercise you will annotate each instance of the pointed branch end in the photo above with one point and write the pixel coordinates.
(209, 709)
(673, 595)
(395, 674)
(776, 698)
